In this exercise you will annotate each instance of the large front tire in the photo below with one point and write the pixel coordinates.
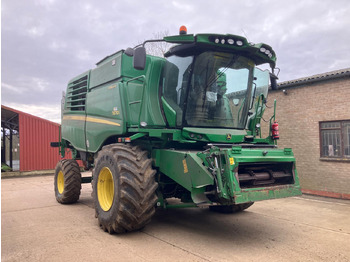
(67, 181)
(123, 188)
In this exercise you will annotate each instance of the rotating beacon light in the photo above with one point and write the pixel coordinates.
(275, 131)
(183, 30)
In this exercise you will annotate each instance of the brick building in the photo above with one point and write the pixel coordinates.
(314, 119)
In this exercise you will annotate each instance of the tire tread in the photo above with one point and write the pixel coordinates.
(72, 181)
(137, 196)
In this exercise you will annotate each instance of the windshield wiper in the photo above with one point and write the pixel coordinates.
(229, 64)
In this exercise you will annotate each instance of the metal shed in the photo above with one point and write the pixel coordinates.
(28, 138)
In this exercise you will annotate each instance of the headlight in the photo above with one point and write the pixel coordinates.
(266, 52)
(228, 40)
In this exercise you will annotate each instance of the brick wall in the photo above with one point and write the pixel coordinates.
(298, 114)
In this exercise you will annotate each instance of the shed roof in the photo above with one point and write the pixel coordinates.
(316, 78)
(10, 115)
(9, 118)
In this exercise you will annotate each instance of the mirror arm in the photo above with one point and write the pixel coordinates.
(148, 41)
(273, 79)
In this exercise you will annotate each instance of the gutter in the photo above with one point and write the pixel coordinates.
(343, 73)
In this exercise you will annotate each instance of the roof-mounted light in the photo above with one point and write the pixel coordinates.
(266, 51)
(183, 30)
(228, 40)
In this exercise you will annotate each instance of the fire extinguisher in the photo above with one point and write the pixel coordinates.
(275, 132)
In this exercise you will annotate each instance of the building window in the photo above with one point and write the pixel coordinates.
(335, 139)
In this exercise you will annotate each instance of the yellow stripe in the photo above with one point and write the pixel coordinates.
(101, 121)
(90, 119)
(82, 118)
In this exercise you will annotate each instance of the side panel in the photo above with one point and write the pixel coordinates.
(73, 130)
(73, 117)
(151, 108)
(104, 111)
(104, 115)
(134, 90)
(107, 70)
(183, 167)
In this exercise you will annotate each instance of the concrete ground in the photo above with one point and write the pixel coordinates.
(34, 227)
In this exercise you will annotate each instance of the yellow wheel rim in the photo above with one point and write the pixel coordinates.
(105, 189)
(60, 182)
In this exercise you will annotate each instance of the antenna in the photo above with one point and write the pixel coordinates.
(245, 34)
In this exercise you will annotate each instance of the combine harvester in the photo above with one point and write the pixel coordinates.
(186, 126)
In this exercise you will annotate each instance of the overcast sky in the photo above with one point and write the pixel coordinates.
(45, 43)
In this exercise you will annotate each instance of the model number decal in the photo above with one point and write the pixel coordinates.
(112, 86)
(115, 111)
(185, 166)
(232, 161)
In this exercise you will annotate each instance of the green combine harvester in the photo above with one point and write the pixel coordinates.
(184, 127)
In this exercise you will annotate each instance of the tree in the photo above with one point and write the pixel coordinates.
(158, 48)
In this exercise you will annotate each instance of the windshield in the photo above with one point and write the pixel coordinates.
(215, 91)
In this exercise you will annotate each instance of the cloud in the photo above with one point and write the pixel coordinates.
(25, 84)
(182, 6)
(58, 45)
(40, 84)
(84, 55)
(36, 31)
(11, 88)
(45, 43)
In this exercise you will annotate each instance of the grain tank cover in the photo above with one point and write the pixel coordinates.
(107, 69)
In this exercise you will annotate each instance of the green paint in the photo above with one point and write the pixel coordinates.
(198, 121)
(180, 39)
(170, 113)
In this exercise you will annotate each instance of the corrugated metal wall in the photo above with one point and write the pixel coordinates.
(35, 137)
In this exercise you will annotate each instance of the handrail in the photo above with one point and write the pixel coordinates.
(257, 106)
(136, 78)
(142, 96)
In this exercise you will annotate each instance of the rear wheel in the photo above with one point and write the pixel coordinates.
(228, 209)
(67, 181)
(123, 188)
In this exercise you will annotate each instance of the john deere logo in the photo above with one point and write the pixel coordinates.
(228, 136)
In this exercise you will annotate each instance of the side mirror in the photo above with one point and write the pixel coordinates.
(273, 80)
(139, 61)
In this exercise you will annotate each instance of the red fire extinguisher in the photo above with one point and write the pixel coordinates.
(275, 132)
